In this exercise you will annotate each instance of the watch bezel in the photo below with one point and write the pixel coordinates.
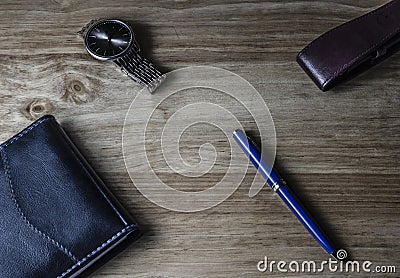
(109, 58)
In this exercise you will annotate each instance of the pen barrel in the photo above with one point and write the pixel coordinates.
(304, 217)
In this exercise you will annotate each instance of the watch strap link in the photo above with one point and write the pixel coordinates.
(140, 69)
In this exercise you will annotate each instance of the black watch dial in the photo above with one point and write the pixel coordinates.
(108, 39)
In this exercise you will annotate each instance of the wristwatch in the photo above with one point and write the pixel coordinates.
(114, 40)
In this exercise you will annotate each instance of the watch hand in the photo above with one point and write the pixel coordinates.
(119, 42)
(101, 36)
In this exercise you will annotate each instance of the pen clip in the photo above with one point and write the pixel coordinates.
(256, 186)
(254, 144)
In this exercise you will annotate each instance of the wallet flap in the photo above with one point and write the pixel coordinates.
(350, 48)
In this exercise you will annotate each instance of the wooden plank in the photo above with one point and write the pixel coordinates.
(340, 151)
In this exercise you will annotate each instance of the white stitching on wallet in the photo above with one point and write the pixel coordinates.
(98, 249)
(6, 167)
(25, 131)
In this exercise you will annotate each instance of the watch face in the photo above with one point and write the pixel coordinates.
(108, 39)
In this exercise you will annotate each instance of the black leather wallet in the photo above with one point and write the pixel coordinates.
(57, 217)
(353, 47)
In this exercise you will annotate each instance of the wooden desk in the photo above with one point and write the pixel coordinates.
(340, 151)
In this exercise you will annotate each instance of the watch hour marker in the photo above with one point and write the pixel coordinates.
(120, 48)
(93, 43)
(125, 35)
(97, 50)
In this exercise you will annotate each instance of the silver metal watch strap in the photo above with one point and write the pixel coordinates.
(140, 69)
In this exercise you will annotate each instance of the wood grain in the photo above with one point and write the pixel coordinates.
(340, 151)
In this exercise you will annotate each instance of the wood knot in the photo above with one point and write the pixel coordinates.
(37, 108)
(78, 89)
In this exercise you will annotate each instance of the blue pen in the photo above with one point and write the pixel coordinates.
(276, 182)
